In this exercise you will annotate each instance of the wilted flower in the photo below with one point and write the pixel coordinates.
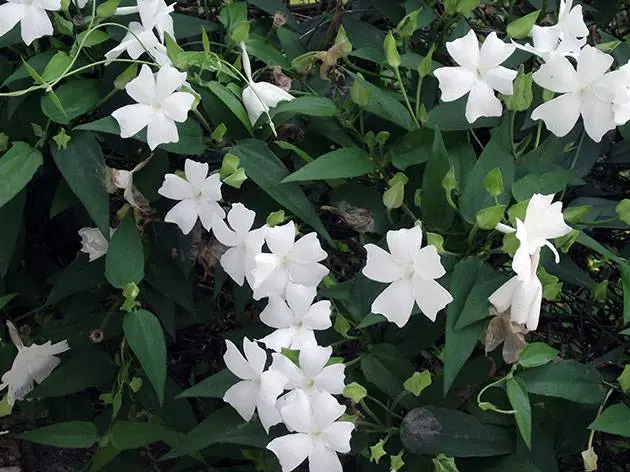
(32, 364)
(290, 261)
(295, 319)
(159, 105)
(585, 92)
(411, 273)
(259, 389)
(360, 220)
(123, 180)
(279, 19)
(318, 435)
(93, 242)
(479, 74)
(260, 97)
(199, 194)
(136, 42)
(243, 242)
(502, 329)
(280, 79)
(96, 336)
(32, 16)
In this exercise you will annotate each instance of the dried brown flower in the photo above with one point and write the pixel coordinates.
(359, 219)
(501, 329)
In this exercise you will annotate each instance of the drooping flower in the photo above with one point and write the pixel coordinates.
(259, 389)
(159, 105)
(565, 38)
(157, 14)
(32, 16)
(312, 376)
(93, 242)
(243, 242)
(32, 364)
(411, 273)
(136, 42)
(123, 179)
(479, 74)
(318, 435)
(501, 329)
(295, 319)
(260, 97)
(290, 261)
(585, 92)
(199, 194)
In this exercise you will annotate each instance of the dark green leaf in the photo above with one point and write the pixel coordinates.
(72, 434)
(264, 51)
(11, 216)
(306, 105)
(127, 435)
(77, 97)
(17, 167)
(537, 354)
(214, 386)
(337, 164)
(79, 276)
(272, 6)
(545, 183)
(124, 262)
(386, 105)
(436, 211)
(83, 167)
(412, 148)
(519, 399)
(449, 116)
(387, 369)
(186, 26)
(614, 420)
(146, 339)
(232, 104)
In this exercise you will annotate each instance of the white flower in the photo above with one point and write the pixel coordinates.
(32, 364)
(522, 296)
(136, 42)
(296, 319)
(243, 242)
(584, 92)
(479, 74)
(565, 38)
(32, 16)
(313, 376)
(81, 3)
(93, 242)
(157, 14)
(258, 390)
(290, 261)
(319, 437)
(159, 105)
(199, 194)
(259, 97)
(123, 180)
(619, 82)
(411, 271)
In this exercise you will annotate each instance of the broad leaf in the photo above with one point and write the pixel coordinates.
(537, 354)
(79, 276)
(231, 107)
(11, 216)
(129, 435)
(385, 105)
(386, 368)
(72, 434)
(449, 116)
(214, 386)
(519, 399)
(412, 148)
(337, 164)
(77, 97)
(17, 167)
(124, 261)
(614, 420)
(436, 211)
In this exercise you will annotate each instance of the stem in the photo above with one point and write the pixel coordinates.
(599, 412)
(370, 413)
(418, 89)
(383, 406)
(538, 132)
(404, 92)
(204, 122)
(512, 122)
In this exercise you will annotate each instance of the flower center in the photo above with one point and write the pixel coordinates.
(309, 384)
(196, 194)
(297, 323)
(284, 262)
(409, 272)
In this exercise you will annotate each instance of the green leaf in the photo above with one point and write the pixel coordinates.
(95, 38)
(214, 386)
(6, 299)
(624, 379)
(127, 435)
(72, 434)
(267, 171)
(614, 420)
(11, 216)
(520, 28)
(124, 262)
(537, 354)
(418, 382)
(79, 276)
(519, 399)
(385, 105)
(436, 211)
(17, 167)
(449, 116)
(56, 66)
(233, 106)
(337, 164)
(543, 182)
(387, 369)
(355, 392)
(146, 339)
(264, 51)
(625, 281)
(432, 430)
(190, 135)
(522, 96)
(77, 97)
(496, 154)
(83, 167)
(566, 379)
(305, 105)
(412, 148)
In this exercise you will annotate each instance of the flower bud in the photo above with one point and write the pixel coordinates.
(355, 392)
(391, 51)
(276, 218)
(358, 93)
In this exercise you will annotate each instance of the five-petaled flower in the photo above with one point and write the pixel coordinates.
(159, 105)
(199, 194)
(32, 364)
(32, 16)
(136, 42)
(259, 389)
(411, 273)
(479, 74)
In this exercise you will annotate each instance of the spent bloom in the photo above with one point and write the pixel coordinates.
(32, 16)
(198, 194)
(411, 273)
(295, 319)
(479, 73)
(123, 179)
(290, 261)
(318, 435)
(93, 242)
(159, 105)
(260, 97)
(32, 364)
(243, 242)
(584, 92)
(259, 389)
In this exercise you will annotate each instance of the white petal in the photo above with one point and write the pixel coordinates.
(161, 130)
(276, 314)
(253, 105)
(10, 15)
(236, 363)
(268, 414)
(255, 355)
(167, 80)
(211, 188)
(300, 298)
(223, 234)
(501, 79)
(279, 339)
(298, 415)
(142, 88)
(534, 312)
(280, 239)
(313, 360)
(48, 349)
(40, 367)
(598, 116)
(427, 263)
(501, 298)
(557, 75)
(332, 379)
(241, 219)
(323, 459)
(175, 188)
(243, 396)
(208, 211)
(338, 434)
(133, 118)
(592, 64)
(303, 338)
(272, 384)
(310, 274)
(266, 265)
(286, 367)
(454, 82)
(291, 450)
(404, 243)
(184, 215)
(271, 94)
(545, 38)
(327, 410)
(380, 265)
(494, 52)
(430, 296)
(573, 23)
(247, 66)
(178, 105)
(482, 102)
(395, 303)
(559, 114)
(35, 24)
(196, 173)
(465, 50)
(233, 262)
(308, 249)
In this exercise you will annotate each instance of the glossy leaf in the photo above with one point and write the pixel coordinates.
(519, 399)
(17, 167)
(72, 434)
(337, 164)
(124, 262)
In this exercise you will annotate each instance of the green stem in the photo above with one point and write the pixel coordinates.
(404, 93)
(538, 133)
(370, 413)
(512, 123)
(383, 406)
(204, 122)
(418, 90)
